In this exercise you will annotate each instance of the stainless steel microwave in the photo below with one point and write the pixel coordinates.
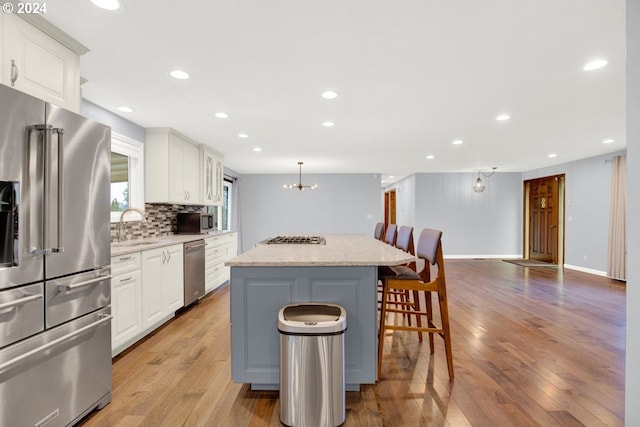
(195, 222)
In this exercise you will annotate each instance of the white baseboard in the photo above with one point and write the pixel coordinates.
(586, 270)
(485, 256)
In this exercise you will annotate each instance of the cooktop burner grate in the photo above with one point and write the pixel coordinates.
(297, 240)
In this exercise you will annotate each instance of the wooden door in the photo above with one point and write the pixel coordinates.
(389, 207)
(544, 219)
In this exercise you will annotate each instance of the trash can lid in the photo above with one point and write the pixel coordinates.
(312, 319)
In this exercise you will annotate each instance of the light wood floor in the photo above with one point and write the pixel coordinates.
(531, 347)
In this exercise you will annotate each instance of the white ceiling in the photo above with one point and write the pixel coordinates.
(412, 76)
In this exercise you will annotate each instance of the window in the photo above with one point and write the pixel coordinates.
(127, 175)
(224, 211)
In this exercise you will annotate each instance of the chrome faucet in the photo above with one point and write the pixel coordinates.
(121, 224)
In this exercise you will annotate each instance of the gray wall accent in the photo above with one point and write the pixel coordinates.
(632, 382)
(342, 203)
(405, 200)
(117, 123)
(473, 224)
(588, 190)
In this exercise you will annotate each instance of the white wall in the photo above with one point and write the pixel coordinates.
(405, 200)
(117, 123)
(587, 192)
(473, 224)
(342, 203)
(632, 379)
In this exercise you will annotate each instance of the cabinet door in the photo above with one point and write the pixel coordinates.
(173, 278)
(39, 65)
(126, 308)
(211, 178)
(184, 172)
(153, 306)
(218, 183)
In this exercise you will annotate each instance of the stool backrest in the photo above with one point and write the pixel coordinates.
(404, 240)
(379, 231)
(430, 249)
(390, 235)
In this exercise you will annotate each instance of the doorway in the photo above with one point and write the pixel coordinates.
(389, 207)
(543, 235)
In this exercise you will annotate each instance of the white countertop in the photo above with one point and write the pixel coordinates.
(131, 246)
(340, 250)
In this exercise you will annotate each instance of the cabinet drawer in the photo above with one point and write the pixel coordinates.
(125, 263)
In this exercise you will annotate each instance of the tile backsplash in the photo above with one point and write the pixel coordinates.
(160, 221)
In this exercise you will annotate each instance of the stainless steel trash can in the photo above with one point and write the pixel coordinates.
(312, 389)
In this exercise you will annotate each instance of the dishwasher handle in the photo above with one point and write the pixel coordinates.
(199, 245)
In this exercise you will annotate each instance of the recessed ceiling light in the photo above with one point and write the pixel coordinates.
(179, 74)
(243, 135)
(329, 94)
(503, 117)
(125, 109)
(594, 65)
(107, 4)
(431, 157)
(221, 115)
(327, 124)
(609, 141)
(552, 155)
(257, 149)
(457, 142)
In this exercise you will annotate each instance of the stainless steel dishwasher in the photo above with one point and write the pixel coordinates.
(193, 271)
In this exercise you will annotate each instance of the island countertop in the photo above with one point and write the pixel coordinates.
(339, 250)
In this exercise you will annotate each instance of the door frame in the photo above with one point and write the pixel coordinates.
(526, 210)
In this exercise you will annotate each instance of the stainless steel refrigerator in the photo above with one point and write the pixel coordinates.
(55, 332)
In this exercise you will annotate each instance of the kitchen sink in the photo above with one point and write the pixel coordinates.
(133, 243)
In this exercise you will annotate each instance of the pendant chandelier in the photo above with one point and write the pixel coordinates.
(299, 185)
(479, 186)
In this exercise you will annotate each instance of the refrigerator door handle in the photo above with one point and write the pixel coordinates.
(41, 247)
(46, 132)
(60, 133)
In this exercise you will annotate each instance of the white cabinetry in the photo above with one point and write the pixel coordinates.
(36, 63)
(162, 284)
(126, 301)
(172, 173)
(211, 176)
(219, 249)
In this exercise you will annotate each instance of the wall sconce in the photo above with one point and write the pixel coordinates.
(479, 186)
(299, 185)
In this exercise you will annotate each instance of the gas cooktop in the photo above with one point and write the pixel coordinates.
(297, 240)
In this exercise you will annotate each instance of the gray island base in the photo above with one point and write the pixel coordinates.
(268, 277)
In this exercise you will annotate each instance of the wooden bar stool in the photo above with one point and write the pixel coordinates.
(430, 250)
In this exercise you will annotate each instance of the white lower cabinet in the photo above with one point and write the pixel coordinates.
(162, 284)
(126, 301)
(219, 249)
(146, 290)
(126, 308)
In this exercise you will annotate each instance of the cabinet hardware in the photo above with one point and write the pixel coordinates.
(14, 73)
(126, 279)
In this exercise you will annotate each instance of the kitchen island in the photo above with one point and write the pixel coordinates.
(343, 271)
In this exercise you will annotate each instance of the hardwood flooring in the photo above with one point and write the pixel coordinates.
(531, 347)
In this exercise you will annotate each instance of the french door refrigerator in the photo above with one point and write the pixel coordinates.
(55, 332)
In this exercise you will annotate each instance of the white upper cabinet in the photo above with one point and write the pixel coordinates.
(36, 63)
(172, 172)
(211, 176)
